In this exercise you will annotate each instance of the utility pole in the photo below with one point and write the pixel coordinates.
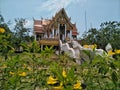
(85, 21)
(90, 25)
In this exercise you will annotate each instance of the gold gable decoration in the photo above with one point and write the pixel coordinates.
(61, 18)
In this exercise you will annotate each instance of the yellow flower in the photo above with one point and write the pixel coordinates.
(52, 80)
(2, 30)
(77, 85)
(86, 46)
(110, 53)
(93, 46)
(24, 65)
(59, 87)
(12, 73)
(29, 68)
(64, 74)
(4, 66)
(22, 74)
(90, 46)
(117, 51)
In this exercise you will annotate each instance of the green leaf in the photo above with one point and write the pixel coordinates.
(114, 77)
(112, 65)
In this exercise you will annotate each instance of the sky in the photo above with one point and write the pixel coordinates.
(85, 13)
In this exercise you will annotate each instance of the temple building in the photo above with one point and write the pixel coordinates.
(50, 31)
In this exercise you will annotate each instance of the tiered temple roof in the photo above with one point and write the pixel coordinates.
(45, 25)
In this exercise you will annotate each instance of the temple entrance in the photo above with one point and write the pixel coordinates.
(62, 32)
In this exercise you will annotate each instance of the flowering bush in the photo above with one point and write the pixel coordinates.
(35, 71)
(101, 72)
(62, 78)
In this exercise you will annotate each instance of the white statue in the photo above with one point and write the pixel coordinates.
(108, 47)
(75, 51)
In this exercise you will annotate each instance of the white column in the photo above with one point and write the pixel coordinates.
(41, 47)
(70, 34)
(65, 31)
(53, 32)
(45, 35)
(35, 36)
(59, 31)
(50, 34)
(63, 37)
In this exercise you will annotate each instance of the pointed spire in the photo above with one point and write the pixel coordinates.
(33, 18)
(69, 18)
(75, 23)
(41, 18)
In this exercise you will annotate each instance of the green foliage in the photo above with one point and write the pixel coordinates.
(21, 33)
(5, 44)
(14, 40)
(47, 52)
(102, 73)
(35, 47)
(25, 47)
(66, 77)
(22, 71)
(108, 33)
(20, 30)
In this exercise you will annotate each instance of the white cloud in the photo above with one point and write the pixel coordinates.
(55, 5)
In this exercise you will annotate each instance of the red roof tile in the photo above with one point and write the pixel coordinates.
(75, 33)
(74, 27)
(37, 22)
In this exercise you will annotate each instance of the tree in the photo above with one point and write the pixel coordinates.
(5, 38)
(21, 33)
(90, 36)
(109, 32)
(20, 30)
